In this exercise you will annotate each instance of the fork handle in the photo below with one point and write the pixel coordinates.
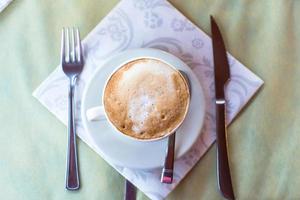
(72, 177)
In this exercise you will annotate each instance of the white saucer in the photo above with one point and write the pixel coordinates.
(131, 153)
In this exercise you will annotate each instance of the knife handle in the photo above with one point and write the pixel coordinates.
(224, 178)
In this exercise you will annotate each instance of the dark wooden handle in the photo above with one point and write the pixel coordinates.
(130, 191)
(224, 178)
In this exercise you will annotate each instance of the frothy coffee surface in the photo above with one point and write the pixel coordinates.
(146, 99)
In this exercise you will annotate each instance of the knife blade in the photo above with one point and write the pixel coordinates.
(222, 75)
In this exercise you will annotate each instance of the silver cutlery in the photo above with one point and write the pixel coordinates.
(222, 76)
(72, 65)
(167, 171)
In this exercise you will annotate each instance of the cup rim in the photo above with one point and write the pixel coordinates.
(150, 139)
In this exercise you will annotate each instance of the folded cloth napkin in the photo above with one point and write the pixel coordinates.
(4, 3)
(155, 24)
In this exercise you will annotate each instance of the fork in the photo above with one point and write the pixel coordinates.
(72, 65)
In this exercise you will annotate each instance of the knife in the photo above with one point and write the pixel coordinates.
(222, 75)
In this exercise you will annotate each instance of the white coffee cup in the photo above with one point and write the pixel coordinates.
(99, 113)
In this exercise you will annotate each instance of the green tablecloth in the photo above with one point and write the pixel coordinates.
(263, 140)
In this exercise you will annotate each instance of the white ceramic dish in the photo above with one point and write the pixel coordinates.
(98, 113)
(127, 152)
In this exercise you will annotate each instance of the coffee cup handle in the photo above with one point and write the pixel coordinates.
(95, 114)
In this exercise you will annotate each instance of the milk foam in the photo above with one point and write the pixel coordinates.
(150, 66)
(141, 106)
(146, 98)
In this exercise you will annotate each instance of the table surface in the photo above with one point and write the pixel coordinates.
(263, 140)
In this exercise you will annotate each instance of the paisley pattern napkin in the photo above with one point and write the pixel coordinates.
(155, 24)
(4, 3)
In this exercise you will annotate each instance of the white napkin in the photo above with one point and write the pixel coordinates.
(4, 3)
(156, 24)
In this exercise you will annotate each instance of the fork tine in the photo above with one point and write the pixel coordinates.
(78, 42)
(73, 51)
(67, 45)
(63, 50)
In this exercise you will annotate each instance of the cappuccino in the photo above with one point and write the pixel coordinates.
(146, 98)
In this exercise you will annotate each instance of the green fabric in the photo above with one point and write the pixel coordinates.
(263, 140)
